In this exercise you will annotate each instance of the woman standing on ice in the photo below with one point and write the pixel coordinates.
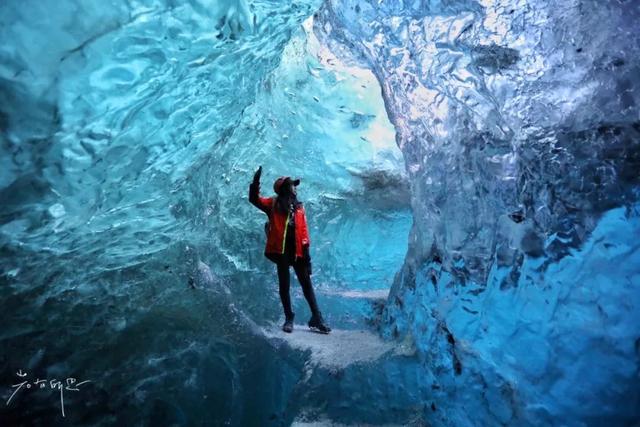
(288, 244)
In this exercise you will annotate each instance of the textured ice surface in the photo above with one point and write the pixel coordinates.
(130, 255)
(519, 125)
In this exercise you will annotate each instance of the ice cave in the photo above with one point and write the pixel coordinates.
(470, 175)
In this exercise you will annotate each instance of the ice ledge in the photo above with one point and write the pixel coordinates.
(336, 350)
(374, 294)
(325, 422)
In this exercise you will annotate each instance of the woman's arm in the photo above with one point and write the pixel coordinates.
(306, 241)
(262, 203)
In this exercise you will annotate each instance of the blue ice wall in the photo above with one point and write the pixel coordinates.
(518, 122)
(481, 156)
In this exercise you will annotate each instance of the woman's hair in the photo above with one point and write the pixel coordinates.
(285, 198)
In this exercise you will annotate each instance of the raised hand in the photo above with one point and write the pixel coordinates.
(256, 176)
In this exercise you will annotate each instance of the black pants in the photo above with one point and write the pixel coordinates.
(300, 267)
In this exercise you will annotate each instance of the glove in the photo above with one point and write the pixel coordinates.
(256, 176)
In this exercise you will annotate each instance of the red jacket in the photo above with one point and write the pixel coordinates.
(279, 221)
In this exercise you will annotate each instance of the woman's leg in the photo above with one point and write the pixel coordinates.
(305, 281)
(283, 279)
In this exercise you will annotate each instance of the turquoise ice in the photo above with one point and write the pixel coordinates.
(470, 174)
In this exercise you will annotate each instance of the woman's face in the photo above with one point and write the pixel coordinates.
(292, 189)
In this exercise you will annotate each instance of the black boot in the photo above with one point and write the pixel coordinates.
(316, 323)
(288, 323)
